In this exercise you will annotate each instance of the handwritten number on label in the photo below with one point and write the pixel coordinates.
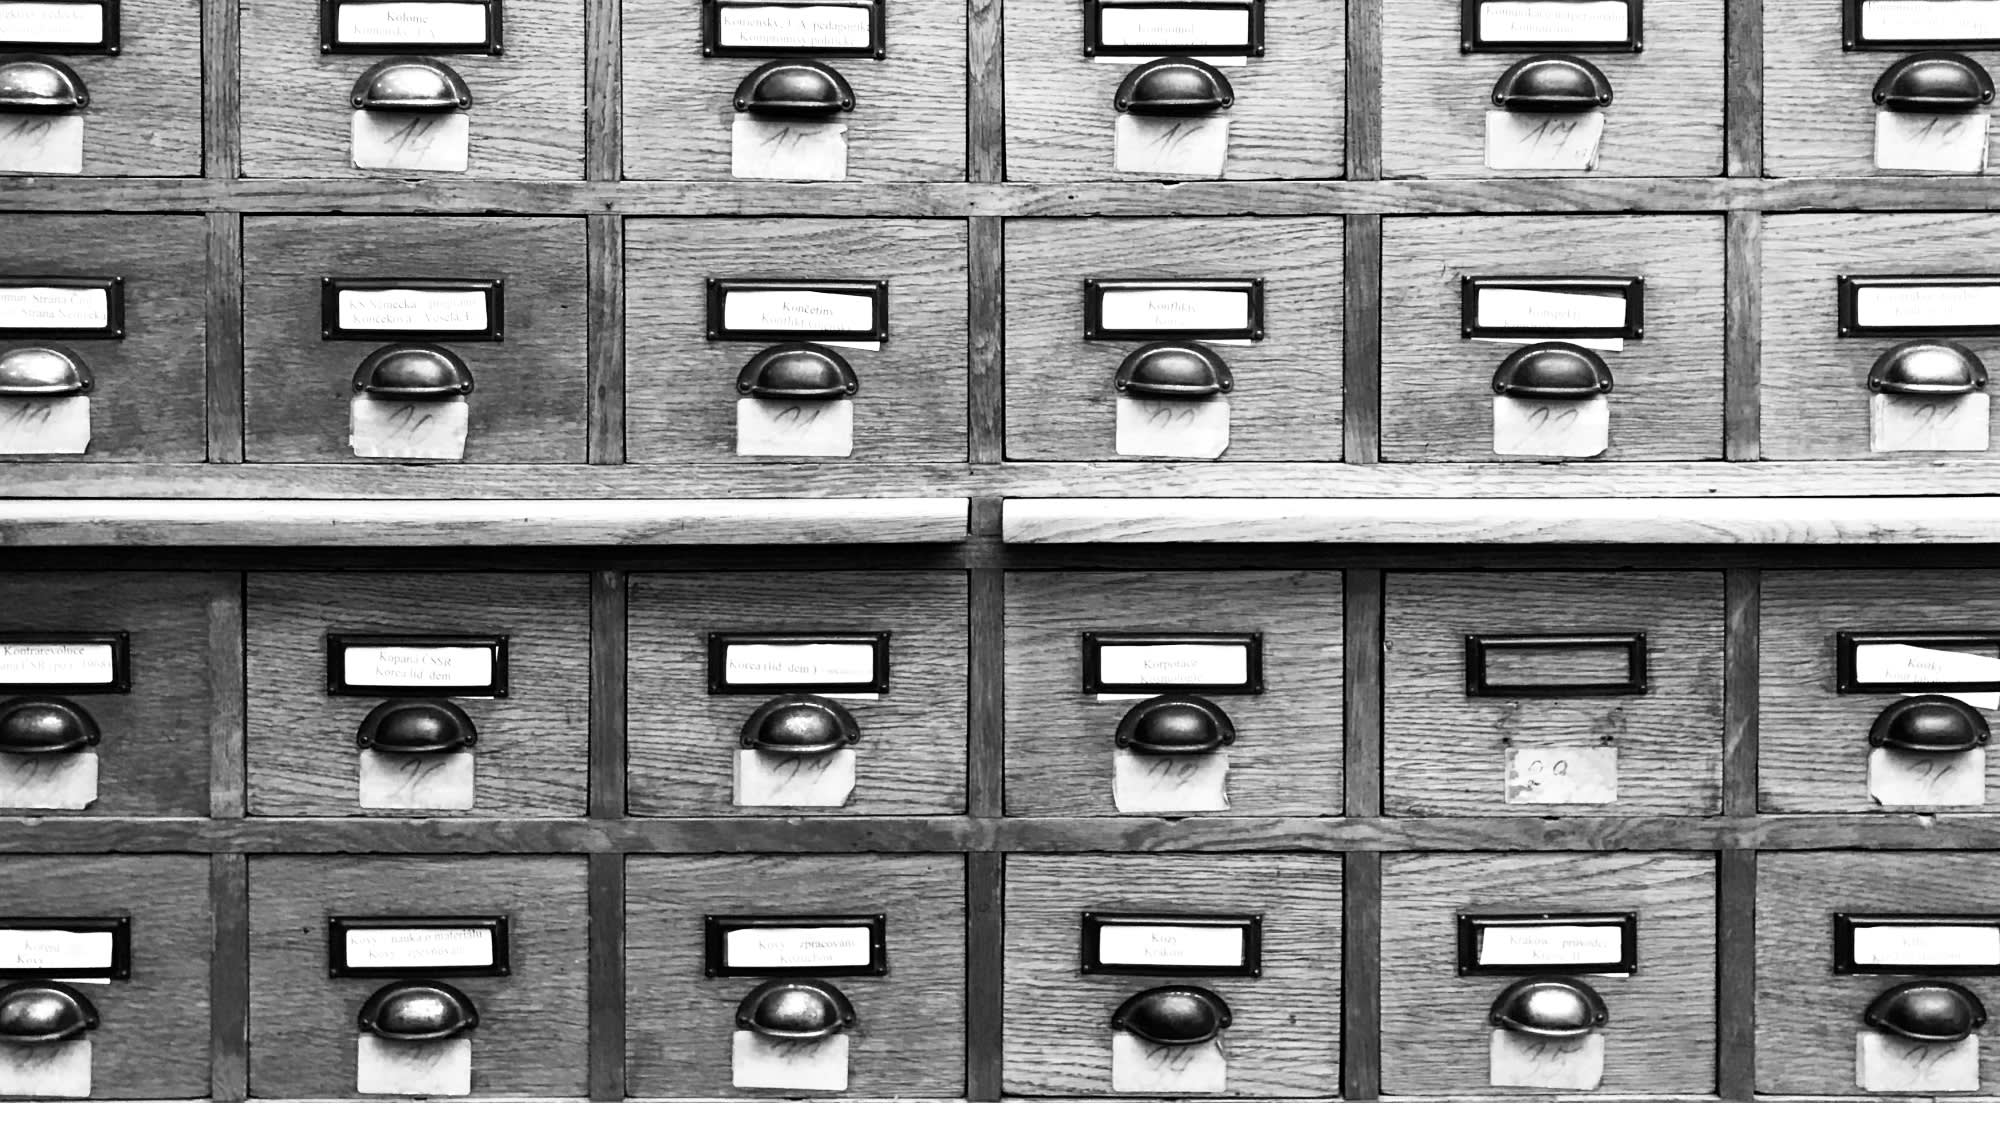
(1171, 773)
(1166, 141)
(1550, 136)
(798, 419)
(25, 418)
(1166, 416)
(412, 772)
(1547, 1057)
(797, 773)
(413, 136)
(28, 130)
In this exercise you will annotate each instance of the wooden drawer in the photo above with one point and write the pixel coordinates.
(153, 759)
(1284, 1038)
(1435, 1023)
(1061, 737)
(908, 120)
(1665, 118)
(152, 1036)
(531, 758)
(1288, 120)
(908, 1040)
(527, 103)
(910, 405)
(1541, 737)
(533, 1023)
(684, 740)
(1814, 388)
(1813, 741)
(144, 114)
(1807, 1015)
(529, 400)
(1437, 385)
(149, 392)
(1061, 397)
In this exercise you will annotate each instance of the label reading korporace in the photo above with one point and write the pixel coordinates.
(43, 23)
(419, 947)
(1553, 21)
(1942, 947)
(411, 666)
(795, 26)
(29, 663)
(410, 23)
(798, 947)
(1166, 665)
(48, 308)
(1889, 22)
(412, 310)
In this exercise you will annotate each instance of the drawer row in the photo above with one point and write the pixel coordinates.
(466, 339)
(751, 975)
(1143, 693)
(784, 89)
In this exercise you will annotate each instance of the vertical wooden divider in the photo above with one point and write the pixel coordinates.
(608, 599)
(228, 874)
(1736, 874)
(1742, 380)
(1361, 872)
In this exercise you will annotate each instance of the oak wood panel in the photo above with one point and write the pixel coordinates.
(1815, 384)
(1665, 118)
(1285, 1038)
(533, 754)
(908, 121)
(1288, 121)
(1813, 741)
(527, 104)
(154, 757)
(1661, 1038)
(681, 387)
(1447, 753)
(1288, 754)
(1807, 1017)
(533, 1024)
(909, 1038)
(152, 1039)
(149, 401)
(145, 113)
(684, 741)
(529, 400)
(1437, 393)
(1286, 405)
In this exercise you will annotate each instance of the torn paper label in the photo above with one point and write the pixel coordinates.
(1900, 778)
(1171, 146)
(1893, 663)
(768, 780)
(65, 782)
(1170, 427)
(1531, 427)
(772, 148)
(1141, 1066)
(409, 429)
(1578, 775)
(760, 1062)
(775, 427)
(1541, 1062)
(441, 782)
(441, 1069)
(1929, 423)
(411, 142)
(1548, 142)
(1930, 142)
(45, 1070)
(1891, 1064)
(1548, 310)
(45, 426)
(41, 143)
(1170, 784)
(43, 949)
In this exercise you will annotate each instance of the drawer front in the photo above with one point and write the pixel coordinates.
(684, 750)
(1061, 746)
(1061, 395)
(153, 757)
(908, 120)
(148, 394)
(1819, 109)
(1814, 740)
(1665, 118)
(910, 402)
(1284, 1037)
(144, 115)
(151, 1040)
(908, 1039)
(1808, 1016)
(527, 104)
(1288, 120)
(1546, 739)
(1437, 385)
(532, 753)
(1817, 404)
(1436, 1027)
(529, 398)
(533, 1023)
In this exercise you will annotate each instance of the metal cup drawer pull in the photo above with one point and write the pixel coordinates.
(1178, 1015)
(799, 1009)
(417, 726)
(1927, 367)
(1174, 86)
(1926, 1011)
(36, 1012)
(1929, 724)
(794, 88)
(800, 724)
(1549, 1007)
(412, 371)
(45, 725)
(1552, 84)
(43, 371)
(35, 84)
(1930, 113)
(1552, 371)
(1934, 82)
(797, 371)
(1181, 370)
(410, 84)
(417, 1011)
(1175, 724)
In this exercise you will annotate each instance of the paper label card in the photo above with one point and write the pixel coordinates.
(66, 782)
(42, 143)
(65, 948)
(1173, 310)
(1602, 311)
(70, 662)
(1929, 424)
(45, 426)
(1917, 664)
(759, 1062)
(1538, 1062)
(1527, 25)
(796, 945)
(1573, 427)
(1931, 142)
(1543, 142)
(45, 1070)
(764, 28)
(390, 141)
(385, 309)
(1152, 28)
(377, 665)
(1191, 429)
(1152, 663)
(775, 148)
(1169, 784)
(369, 26)
(821, 663)
(1891, 1064)
(832, 311)
(438, 782)
(408, 429)
(1956, 945)
(806, 781)
(1918, 306)
(773, 427)
(440, 1069)
(1572, 775)
(55, 308)
(1172, 944)
(1171, 146)
(1505, 944)
(60, 26)
(1140, 1066)
(1901, 779)
(418, 946)
(1901, 25)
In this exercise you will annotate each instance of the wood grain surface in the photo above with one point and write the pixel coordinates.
(1287, 756)
(1447, 753)
(1661, 1038)
(681, 387)
(1665, 118)
(527, 104)
(1287, 122)
(528, 401)
(1284, 1041)
(533, 753)
(683, 743)
(1286, 405)
(908, 121)
(152, 1037)
(148, 401)
(909, 1038)
(145, 113)
(1437, 387)
(533, 1023)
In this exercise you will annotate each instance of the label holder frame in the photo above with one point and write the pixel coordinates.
(1851, 38)
(1845, 923)
(716, 929)
(1095, 641)
(1471, 925)
(109, 44)
(1632, 290)
(339, 926)
(720, 289)
(1095, 289)
(330, 44)
(119, 926)
(337, 645)
(493, 288)
(1093, 31)
(712, 46)
(121, 662)
(1848, 642)
(718, 663)
(1471, 43)
(1849, 286)
(1478, 685)
(1090, 959)
(114, 306)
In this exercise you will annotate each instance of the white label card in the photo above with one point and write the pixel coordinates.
(1891, 1064)
(772, 427)
(1174, 664)
(1575, 427)
(1167, 309)
(64, 782)
(1583, 774)
(1931, 142)
(799, 664)
(1926, 306)
(35, 662)
(42, 143)
(1169, 947)
(1140, 1066)
(55, 949)
(797, 310)
(1548, 309)
(411, 310)
(442, 1069)
(1171, 146)
(1538, 1062)
(432, 782)
(1887, 21)
(773, 148)
(408, 429)
(1943, 947)
(1173, 25)
(1169, 784)
(1909, 664)
(800, 781)
(45, 1070)
(45, 426)
(1929, 424)
(1548, 142)
(1553, 21)
(1552, 944)
(411, 142)
(37, 21)
(439, 666)
(411, 23)
(798, 947)
(430, 947)
(821, 26)
(52, 306)
(1902, 779)
(1196, 429)
(759, 1062)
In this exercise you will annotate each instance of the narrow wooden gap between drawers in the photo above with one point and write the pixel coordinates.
(222, 333)
(229, 978)
(607, 978)
(1743, 88)
(1742, 270)
(1736, 975)
(986, 705)
(986, 363)
(1364, 89)
(985, 107)
(985, 975)
(1361, 361)
(1361, 976)
(605, 348)
(1361, 653)
(221, 92)
(1742, 594)
(228, 779)
(608, 599)
(603, 116)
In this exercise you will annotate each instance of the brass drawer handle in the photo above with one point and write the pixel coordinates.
(417, 1011)
(1173, 87)
(797, 371)
(797, 1009)
(800, 724)
(1927, 367)
(408, 84)
(33, 84)
(413, 371)
(1929, 724)
(1552, 370)
(45, 724)
(417, 726)
(1928, 1011)
(43, 370)
(1175, 724)
(41, 1011)
(1174, 371)
(806, 88)
(1176, 1015)
(1552, 84)
(1934, 82)
(1552, 1007)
